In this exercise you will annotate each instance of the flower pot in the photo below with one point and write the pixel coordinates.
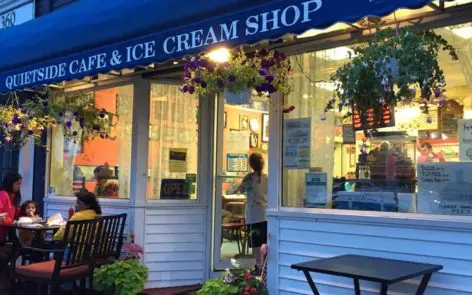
(242, 97)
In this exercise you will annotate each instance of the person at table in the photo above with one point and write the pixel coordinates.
(10, 197)
(28, 211)
(254, 185)
(86, 207)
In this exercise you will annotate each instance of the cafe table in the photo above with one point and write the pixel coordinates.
(40, 227)
(386, 272)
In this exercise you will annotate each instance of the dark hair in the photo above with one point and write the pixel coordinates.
(257, 163)
(90, 200)
(24, 205)
(427, 145)
(7, 185)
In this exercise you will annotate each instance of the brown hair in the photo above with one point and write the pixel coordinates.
(256, 161)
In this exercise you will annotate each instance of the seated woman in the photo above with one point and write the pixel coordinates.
(10, 197)
(106, 186)
(86, 207)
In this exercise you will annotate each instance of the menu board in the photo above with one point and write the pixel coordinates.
(465, 140)
(236, 162)
(443, 188)
(297, 139)
(349, 135)
(387, 119)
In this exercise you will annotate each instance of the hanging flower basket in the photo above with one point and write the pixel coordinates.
(265, 72)
(388, 71)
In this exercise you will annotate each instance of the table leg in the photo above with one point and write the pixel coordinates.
(357, 287)
(311, 283)
(423, 284)
(384, 289)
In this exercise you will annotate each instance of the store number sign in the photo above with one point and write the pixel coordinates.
(17, 16)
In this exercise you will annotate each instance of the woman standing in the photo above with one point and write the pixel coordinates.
(255, 185)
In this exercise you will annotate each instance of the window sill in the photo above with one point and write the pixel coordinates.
(379, 218)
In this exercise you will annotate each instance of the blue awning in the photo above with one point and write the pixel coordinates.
(91, 37)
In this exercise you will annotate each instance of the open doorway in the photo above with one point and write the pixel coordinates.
(241, 131)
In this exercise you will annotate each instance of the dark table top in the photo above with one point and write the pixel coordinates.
(365, 268)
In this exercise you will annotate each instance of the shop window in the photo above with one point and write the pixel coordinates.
(417, 165)
(173, 144)
(100, 165)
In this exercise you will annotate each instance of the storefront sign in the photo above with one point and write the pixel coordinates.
(386, 120)
(17, 16)
(315, 190)
(237, 162)
(174, 189)
(445, 188)
(297, 140)
(465, 140)
(246, 26)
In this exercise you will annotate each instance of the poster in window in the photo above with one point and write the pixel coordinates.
(445, 188)
(465, 140)
(178, 160)
(297, 139)
(316, 190)
(265, 128)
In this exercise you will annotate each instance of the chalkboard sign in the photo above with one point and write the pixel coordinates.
(174, 189)
(349, 135)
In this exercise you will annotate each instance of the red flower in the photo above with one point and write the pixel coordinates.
(253, 290)
(248, 276)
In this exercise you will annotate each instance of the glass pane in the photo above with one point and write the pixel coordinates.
(100, 165)
(418, 165)
(173, 144)
(245, 131)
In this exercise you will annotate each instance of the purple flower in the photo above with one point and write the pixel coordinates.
(442, 102)
(68, 124)
(81, 122)
(276, 54)
(22, 127)
(269, 78)
(263, 72)
(437, 92)
(197, 80)
(30, 132)
(15, 120)
(191, 89)
(184, 89)
(232, 78)
(187, 74)
(265, 64)
(193, 65)
(220, 83)
(267, 87)
(282, 56)
(24, 111)
(203, 84)
(76, 114)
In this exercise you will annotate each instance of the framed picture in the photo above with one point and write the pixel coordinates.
(254, 140)
(224, 119)
(243, 122)
(265, 128)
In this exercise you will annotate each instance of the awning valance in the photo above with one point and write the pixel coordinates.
(91, 37)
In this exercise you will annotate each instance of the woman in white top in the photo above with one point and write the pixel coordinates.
(255, 186)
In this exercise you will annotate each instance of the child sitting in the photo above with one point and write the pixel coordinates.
(27, 237)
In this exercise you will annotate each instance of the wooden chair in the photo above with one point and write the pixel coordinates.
(72, 259)
(86, 245)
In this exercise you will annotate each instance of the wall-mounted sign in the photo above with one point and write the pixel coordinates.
(236, 162)
(349, 135)
(386, 120)
(465, 140)
(315, 190)
(17, 15)
(174, 189)
(297, 139)
(177, 160)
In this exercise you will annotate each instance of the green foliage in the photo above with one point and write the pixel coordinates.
(370, 81)
(127, 277)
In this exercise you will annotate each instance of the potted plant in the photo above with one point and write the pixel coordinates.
(388, 71)
(264, 72)
(125, 276)
(237, 281)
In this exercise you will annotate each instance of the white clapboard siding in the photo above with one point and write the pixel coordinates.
(175, 246)
(302, 239)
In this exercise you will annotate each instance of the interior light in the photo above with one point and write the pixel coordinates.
(463, 32)
(219, 55)
(468, 114)
(339, 53)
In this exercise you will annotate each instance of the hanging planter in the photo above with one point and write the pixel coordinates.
(20, 125)
(76, 114)
(388, 71)
(265, 72)
(241, 97)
